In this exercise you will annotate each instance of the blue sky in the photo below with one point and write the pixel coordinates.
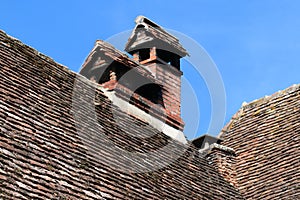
(254, 44)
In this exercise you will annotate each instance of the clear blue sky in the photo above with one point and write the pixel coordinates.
(255, 44)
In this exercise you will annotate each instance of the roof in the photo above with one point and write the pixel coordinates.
(155, 33)
(113, 54)
(265, 136)
(49, 150)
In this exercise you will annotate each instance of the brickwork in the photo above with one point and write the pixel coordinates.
(224, 160)
(170, 78)
(160, 53)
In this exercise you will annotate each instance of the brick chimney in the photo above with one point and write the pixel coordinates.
(150, 80)
(221, 157)
(160, 52)
(224, 160)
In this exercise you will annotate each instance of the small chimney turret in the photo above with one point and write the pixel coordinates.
(151, 80)
(160, 52)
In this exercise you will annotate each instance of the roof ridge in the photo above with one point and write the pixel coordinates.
(254, 103)
(109, 45)
(122, 53)
(142, 20)
(158, 32)
(34, 51)
(51, 60)
(266, 98)
(102, 44)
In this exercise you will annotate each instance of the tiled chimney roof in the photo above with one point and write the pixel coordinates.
(157, 33)
(115, 55)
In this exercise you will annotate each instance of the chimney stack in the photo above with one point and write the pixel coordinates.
(151, 80)
(160, 52)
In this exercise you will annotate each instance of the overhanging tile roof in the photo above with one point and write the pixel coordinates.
(115, 55)
(265, 135)
(45, 155)
(158, 33)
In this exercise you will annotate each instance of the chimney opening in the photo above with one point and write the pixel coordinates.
(152, 92)
(144, 54)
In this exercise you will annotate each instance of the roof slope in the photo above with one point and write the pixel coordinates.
(265, 135)
(46, 154)
(107, 50)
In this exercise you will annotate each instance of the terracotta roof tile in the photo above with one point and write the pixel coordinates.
(44, 156)
(265, 135)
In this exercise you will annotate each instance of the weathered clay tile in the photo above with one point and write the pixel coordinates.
(43, 156)
(265, 136)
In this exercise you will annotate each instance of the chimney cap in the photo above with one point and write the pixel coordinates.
(156, 33)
